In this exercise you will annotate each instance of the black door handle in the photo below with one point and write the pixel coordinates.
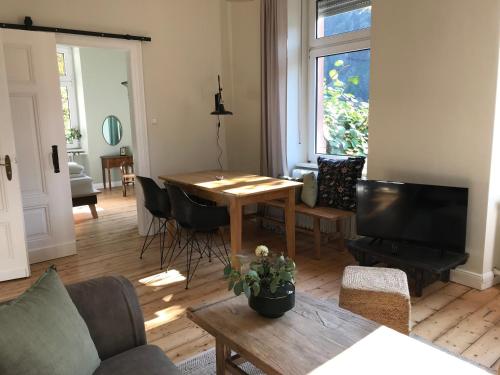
(55, 159)
(8, 167)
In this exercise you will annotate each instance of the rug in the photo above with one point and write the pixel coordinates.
(204, 364)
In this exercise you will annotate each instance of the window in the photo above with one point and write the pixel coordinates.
(68, 94)
(339, 51)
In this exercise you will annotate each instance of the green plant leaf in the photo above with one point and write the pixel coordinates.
(230, 284)
(253, 275)
(246, 289)
(354, 80)
(238, 288)
(274, 285)
(227, 270)
(286, 276)
(256, 289)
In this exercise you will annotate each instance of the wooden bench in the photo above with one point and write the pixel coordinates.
(318, 213)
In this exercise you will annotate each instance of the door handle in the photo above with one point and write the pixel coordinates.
(8, 167)
(55, 159)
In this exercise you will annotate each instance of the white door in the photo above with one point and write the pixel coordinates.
(13, 257)
(35, 99)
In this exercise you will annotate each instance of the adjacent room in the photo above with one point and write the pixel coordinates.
(249, 187)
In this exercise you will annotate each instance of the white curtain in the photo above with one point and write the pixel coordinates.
(274, 76)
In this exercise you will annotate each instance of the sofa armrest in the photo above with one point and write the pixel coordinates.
(111, 309)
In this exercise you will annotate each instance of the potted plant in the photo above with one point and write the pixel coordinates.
(72, 134)
(268, 282)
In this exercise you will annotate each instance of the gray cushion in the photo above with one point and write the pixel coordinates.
(110, 307)
(310, 189)
(41, 332)
(143, 360)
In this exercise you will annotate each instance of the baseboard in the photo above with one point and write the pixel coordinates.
(52, 252)
(17, 273)
(473, 279)
(100, 185)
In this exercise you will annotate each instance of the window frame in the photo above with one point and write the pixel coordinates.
(69, 82)
(320, 47)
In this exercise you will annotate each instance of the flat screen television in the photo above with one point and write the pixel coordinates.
(429, 215)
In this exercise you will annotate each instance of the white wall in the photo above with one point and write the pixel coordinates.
(180, 65)
(241, 51)
(492, 242)
(432, 100)
(102, 71)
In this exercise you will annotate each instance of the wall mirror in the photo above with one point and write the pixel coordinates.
(112, 130)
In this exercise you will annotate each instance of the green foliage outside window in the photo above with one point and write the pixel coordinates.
(345, 117)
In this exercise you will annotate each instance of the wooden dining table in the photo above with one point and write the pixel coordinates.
(236, 190)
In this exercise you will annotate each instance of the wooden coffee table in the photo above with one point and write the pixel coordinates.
(300, 341)
(318, 338)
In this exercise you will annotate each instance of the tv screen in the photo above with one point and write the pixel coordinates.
(433, 216)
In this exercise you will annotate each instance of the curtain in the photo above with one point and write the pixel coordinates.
(273, 86)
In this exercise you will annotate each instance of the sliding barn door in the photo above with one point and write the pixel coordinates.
(35, 101)
(13, 257)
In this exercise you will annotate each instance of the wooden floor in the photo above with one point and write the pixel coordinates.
(453, 316)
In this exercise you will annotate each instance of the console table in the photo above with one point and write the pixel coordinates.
(112, 161)
(422, 263)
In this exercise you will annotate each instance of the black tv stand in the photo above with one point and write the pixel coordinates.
(423, 264)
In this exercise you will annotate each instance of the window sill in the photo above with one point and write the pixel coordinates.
(306, 166)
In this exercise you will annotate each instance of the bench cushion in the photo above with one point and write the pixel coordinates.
(337, 182)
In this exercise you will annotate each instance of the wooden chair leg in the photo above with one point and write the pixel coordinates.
(317, 237)
(340, 233)
(93, 210)
(124, 188)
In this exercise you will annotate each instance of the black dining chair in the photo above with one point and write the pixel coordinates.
(157, 202)
(201, 223)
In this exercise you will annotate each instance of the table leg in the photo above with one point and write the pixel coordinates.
(317, 237)
(104, 177)
(93, 210)
(222, 353)
(340, 232)
(171, 230)
(290, 222)
(109, 178)
(236, 215)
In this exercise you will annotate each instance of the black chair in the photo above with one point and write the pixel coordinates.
(201, 223)
(157, 202)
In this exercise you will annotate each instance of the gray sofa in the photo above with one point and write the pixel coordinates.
(110, 307)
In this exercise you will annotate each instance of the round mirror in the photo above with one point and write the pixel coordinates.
(112, 130)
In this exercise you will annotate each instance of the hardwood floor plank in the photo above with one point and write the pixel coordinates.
(440, 322)
(427, 306)
(468, 331)
(486, 350)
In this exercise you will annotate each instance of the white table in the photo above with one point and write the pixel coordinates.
(387, 352)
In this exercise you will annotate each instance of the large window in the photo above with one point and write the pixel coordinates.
(339, 51)
(68, 94)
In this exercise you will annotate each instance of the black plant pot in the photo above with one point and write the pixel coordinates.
(273, 305)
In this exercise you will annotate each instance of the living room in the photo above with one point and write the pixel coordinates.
(424, 75)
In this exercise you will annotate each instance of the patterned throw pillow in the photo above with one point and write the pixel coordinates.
(337, 182)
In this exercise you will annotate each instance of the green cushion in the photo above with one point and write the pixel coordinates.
(310, 189)
(41, 332)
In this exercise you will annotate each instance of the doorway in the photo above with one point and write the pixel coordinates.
(98, 126)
